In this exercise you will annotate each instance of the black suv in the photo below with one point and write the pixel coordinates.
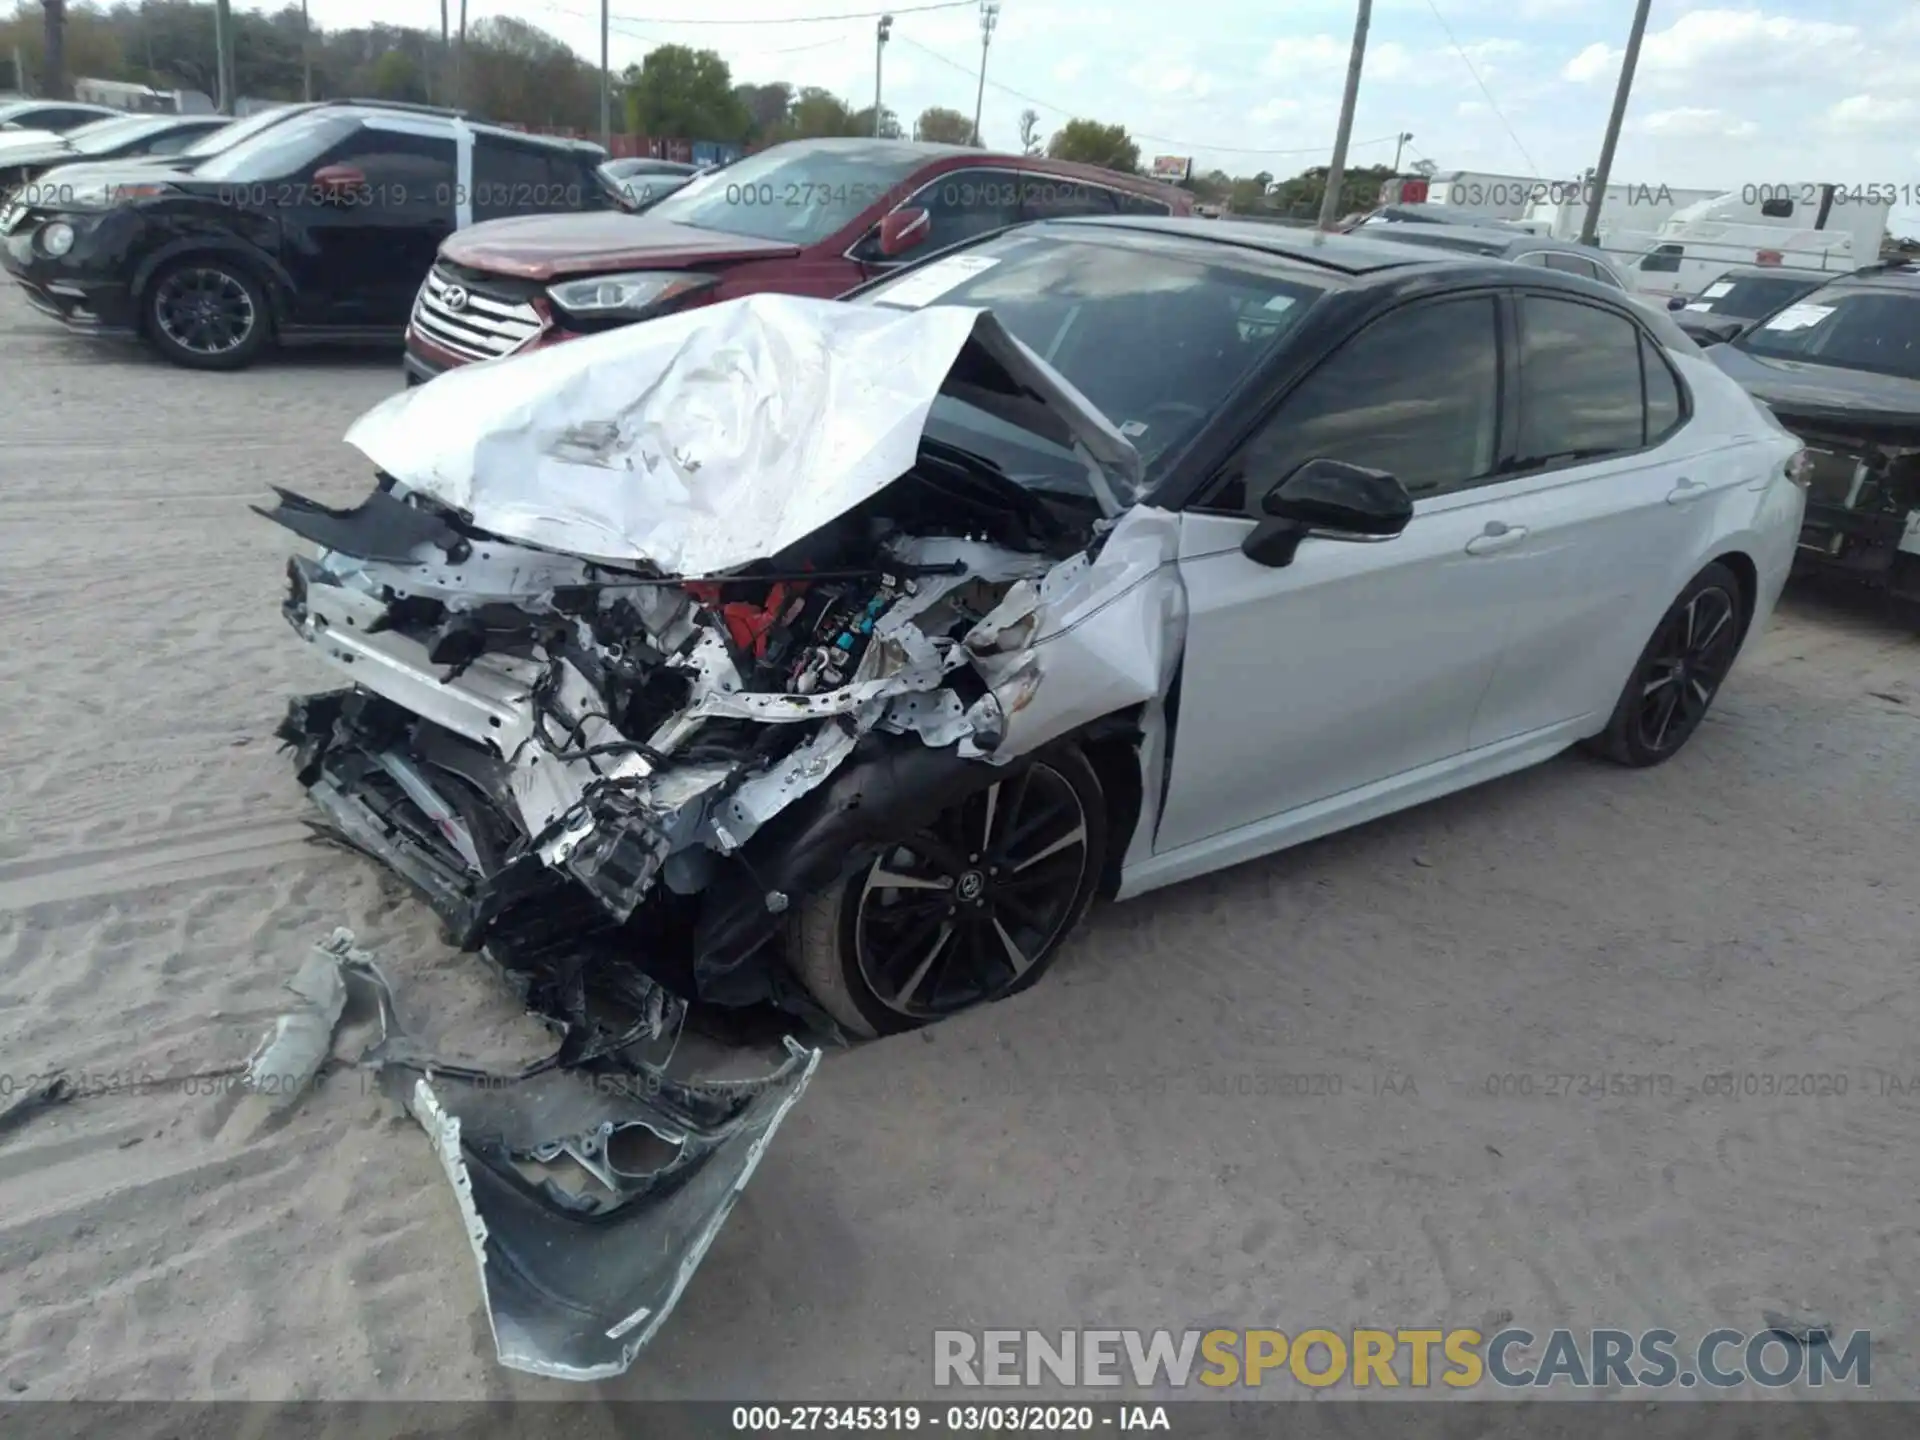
(1840, 366)
(317, 228)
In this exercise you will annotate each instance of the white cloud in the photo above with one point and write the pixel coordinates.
(1070, 69)
(1870, 114)
(1691, 122)
(1324, 58)
(1272, 110)
(1592, 63)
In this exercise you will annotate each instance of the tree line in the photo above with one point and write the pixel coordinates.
(511, 71)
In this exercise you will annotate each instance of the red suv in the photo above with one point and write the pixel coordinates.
(812, 217)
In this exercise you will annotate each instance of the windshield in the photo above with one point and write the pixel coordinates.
(798, 193)
(225, 137)
(1752, 297)
(104, 135)
(276, 151)
(1872, 330)
(1155, 333)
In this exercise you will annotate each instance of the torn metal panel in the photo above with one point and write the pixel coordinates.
(731, 431)
(291, 1054)
(576, 1282)
(589, 1196)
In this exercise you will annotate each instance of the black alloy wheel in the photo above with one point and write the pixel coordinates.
(207, 315)
(1693, 650)
(968, 910)
(1679, 673)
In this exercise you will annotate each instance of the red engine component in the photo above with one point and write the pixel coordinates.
(750, 625)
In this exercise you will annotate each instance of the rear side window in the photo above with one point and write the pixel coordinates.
(1580, 384)
(1416, 394)
(1570, 264)
(1665, 409)
(1139, 204)
(1665, 259)
(511, 179)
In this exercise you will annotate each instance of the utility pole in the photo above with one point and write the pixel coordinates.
(223, 53)
(606, 84)
(1399, 142)
(1337, 171)
(306, 54)
(20, 73)
(882, 31)
(460, 61)
(1590, 227)
(989, 17)
(440, 70)
(53, 60)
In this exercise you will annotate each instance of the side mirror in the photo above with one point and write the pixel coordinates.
(901, 230)
(1676, 302)
(1329, 498)
(334, 180)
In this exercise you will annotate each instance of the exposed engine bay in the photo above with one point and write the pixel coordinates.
(524, 726)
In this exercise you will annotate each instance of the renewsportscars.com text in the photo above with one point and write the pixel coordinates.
(1362, 1358)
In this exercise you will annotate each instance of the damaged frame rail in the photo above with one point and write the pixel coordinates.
(589, 1193)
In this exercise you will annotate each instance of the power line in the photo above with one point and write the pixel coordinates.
(1491, 103)
(1141, 134)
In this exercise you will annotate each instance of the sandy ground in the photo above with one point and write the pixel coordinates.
(1105, 1150)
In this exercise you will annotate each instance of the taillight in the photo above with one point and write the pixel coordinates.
(1767, 257)
(1800, 468)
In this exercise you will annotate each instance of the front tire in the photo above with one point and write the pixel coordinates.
(969, 910)
(207, 313)
(1678, 674)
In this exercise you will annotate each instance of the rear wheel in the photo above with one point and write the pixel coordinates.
(970, 909)
(1679, 672)
(207, 313)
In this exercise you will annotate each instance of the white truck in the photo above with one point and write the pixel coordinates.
(1469, 193)
(1827, 228)
(1626, 210)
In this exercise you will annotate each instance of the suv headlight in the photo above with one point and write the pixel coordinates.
(57, 239)
(626, 297)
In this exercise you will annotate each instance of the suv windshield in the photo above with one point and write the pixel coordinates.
(276, 151)
(1156, 333)
(1752, 296)
(799, 193)
(225, 137)
(1861, 329)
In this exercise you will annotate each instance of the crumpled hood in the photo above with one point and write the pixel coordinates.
(703, 441)
(1823, 392)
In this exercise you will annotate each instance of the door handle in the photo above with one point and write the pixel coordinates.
(1497, 536)
(1685, 491)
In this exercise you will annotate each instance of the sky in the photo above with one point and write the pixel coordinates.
(1787, 92)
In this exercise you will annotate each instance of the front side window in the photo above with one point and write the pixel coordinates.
(1662, 259)
(106, 136)
(174, 143)
(402, 170)
(1570, 265)
(800, 193)
(964, 203)
(1859, 329)
(1580, 384)
(1127, 203)
(1416, 394)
